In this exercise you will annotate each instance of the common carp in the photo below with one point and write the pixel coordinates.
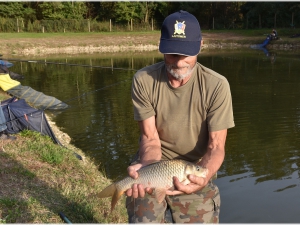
(158, 176)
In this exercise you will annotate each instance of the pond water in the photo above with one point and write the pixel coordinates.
(259, 179)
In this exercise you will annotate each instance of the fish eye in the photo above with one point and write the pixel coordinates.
(198, 168)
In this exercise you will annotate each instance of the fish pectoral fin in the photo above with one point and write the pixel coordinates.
(107, 192)
(117, 195)
(160, 194)
(185, 181)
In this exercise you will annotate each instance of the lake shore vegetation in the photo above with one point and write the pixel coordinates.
(38, 44)
(41, 179)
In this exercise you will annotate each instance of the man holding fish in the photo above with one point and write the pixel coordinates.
(183, 110)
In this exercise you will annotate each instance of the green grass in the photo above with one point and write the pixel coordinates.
(13, 209)
(47, 152)
(40, 179)
(245, 32)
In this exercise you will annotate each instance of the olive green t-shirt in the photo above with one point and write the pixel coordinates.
(184, 115)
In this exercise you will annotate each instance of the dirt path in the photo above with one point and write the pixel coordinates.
(110, 42)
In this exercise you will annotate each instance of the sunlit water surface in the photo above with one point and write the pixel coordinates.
(259, 179)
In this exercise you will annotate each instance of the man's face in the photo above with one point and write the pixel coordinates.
(180, 66)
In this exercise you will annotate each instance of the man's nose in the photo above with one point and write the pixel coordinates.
(179, 60)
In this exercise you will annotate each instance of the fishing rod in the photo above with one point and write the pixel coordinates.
(69, 100)
(77, 97)
(64, 218)
(99, 89)
(37, 110)
(68, 64)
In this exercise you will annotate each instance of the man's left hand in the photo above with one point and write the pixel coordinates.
(197, 183)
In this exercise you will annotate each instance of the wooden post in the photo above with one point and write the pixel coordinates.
(152, 24)
(18, 25)
(43, 29)
(131, 62)
(213, 23)
(131, 24)
(89, 26)
(110, 25)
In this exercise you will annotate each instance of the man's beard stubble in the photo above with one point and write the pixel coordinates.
(176, 72)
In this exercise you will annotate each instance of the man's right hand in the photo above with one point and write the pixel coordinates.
(137, 190)
(132, 170)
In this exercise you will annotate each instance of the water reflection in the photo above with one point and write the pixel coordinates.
(273, 201)
(271, 55)
(261, 168)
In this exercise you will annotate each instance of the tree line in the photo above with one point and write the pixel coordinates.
(211, 15)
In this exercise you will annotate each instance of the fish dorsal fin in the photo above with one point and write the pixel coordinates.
(160, 194)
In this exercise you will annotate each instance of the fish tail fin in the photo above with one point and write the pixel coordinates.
(108, 191)
(117, 195)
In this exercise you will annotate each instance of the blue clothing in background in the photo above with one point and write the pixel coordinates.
(2, 120)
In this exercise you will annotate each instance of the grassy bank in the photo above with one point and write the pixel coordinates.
(40, 179)
(77, 43)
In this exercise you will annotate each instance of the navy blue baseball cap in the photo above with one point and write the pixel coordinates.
(180, 34)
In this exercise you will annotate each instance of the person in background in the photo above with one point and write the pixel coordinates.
(183, 111)
(39, 100)
(274, 34)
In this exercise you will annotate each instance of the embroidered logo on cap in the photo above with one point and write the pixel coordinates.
(179, 30)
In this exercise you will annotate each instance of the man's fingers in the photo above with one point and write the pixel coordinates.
(179, 186)
(195, 185)
(141, 191)
(129, 192)
(197, 180)
(135, 192)
(149, 190)
(132, 170)
(176, 182)
(175, 192)
(184, 188)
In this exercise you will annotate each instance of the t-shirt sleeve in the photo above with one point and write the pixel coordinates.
(142, 106)
(220, 112)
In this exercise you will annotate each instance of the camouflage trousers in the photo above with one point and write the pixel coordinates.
(200, 207)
